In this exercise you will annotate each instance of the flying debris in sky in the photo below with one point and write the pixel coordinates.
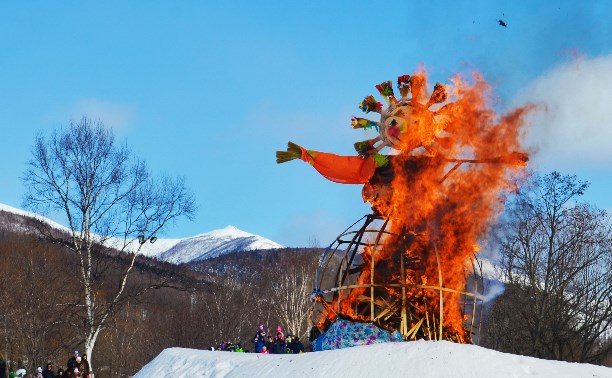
(502, 23)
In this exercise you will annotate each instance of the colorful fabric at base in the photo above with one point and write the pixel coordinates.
(342, 169)
(344, 334)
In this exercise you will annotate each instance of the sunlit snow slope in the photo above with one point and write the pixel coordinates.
(409, 359)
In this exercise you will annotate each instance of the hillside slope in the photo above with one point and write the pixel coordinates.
(176, 251)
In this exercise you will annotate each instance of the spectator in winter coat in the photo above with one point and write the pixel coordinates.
(48, 373)
(279, 333)
(2, 367)
(264, 350)
(38, 372)
(279, 346)
(288, 341)
(60, 373)
(72, 362)
(84, 367)
(279, 341)
(296, 345)
(270, 346)
(77, 366)
(260, 338)
(239, 348)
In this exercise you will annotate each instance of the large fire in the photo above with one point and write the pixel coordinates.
(437, 197)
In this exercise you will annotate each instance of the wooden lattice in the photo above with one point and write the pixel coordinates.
(390, 298)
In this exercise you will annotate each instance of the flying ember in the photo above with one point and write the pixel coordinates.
(451, 158)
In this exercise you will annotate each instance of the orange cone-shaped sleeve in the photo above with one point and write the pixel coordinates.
(340, 169)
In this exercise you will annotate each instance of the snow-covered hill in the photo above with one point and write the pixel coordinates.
(206, 246)
(176, 251)
(21, 226)
(408, 359)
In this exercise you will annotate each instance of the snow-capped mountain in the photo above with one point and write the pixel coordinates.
(176, 251)
(206, 246)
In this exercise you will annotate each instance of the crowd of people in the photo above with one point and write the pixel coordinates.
(76, 366)
(265, 343)
(280, 344)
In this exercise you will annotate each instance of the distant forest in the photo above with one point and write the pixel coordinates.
(192, 306)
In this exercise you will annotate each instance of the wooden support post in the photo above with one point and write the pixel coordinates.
(435, 334)
(427, 318)
(474, 307)
(404, 322)
(374, 250)
(372, 284)
(441, 298)
(343, 263)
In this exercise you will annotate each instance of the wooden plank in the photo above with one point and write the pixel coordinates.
(428, 328)
(432, 287)
(413, 331)
(389, 309)
(441, 298)
(404, 321)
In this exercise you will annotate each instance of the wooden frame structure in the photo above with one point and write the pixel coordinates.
(383, 299)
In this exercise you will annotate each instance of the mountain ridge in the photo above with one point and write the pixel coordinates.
(173, 250)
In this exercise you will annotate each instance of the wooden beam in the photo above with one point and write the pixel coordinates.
(404, 321)
(441, 298)
(413, 331)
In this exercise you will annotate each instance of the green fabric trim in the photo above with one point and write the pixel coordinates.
(381, 160)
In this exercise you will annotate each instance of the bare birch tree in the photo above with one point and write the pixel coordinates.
(107, 196)
(290, 292)
(223, 308)
(291, 283)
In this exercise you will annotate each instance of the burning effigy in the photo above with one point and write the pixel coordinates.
(450, 160)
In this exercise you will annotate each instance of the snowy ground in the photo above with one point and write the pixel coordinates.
(410, 359)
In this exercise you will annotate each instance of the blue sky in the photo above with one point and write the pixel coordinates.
(210, 90)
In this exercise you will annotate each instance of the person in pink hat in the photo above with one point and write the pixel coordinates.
(279, 340)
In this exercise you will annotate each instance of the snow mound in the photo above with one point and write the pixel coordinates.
(415, 359)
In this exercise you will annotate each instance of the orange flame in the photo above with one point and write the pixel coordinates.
(444, 195)
(454, 214)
